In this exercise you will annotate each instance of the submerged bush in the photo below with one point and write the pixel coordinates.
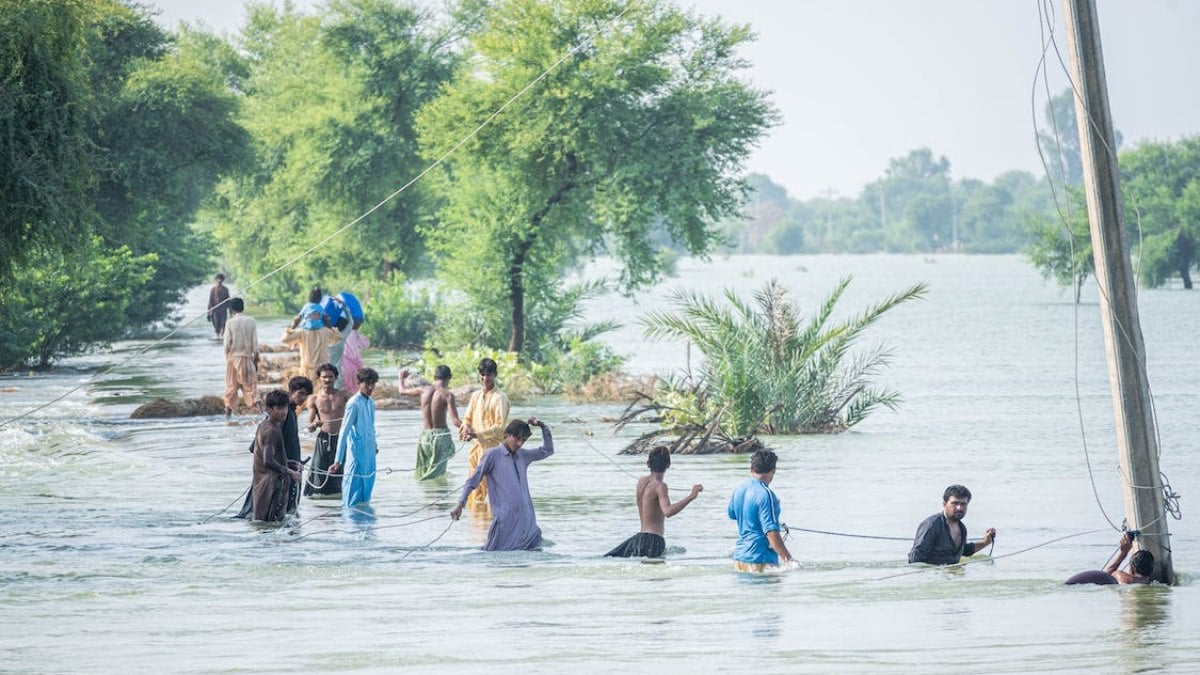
(399, 315)
(765, 370)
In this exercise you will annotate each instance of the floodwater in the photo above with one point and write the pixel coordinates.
(107, 562)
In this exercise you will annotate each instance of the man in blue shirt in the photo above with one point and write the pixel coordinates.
(756, 509)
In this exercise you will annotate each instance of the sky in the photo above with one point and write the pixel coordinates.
(858, 82)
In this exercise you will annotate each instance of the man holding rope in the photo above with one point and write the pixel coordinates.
(325, 410)
(756, 509)
(941, 539)
(356, 448)
(514, 526)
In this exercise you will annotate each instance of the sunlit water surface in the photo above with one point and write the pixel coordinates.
(107, 563)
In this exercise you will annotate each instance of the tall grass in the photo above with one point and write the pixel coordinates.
(767, 370)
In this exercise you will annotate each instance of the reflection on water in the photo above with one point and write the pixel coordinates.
(107, 563)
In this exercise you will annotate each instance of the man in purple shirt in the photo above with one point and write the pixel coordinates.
(506, 467)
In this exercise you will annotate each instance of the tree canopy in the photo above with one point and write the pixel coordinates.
(643, 126)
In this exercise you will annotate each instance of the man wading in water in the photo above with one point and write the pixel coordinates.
(654, 507)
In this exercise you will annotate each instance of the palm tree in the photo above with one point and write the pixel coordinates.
(765, 370)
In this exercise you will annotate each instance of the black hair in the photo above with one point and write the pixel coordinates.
(277, 398)
(237, 305)
(763, 462)
(442, 373)
(300, 382)
(220, 277)
(659, 458)
(367, 375)
(327, 367)
(518, 428)
(956, 491)
(488, 367)
(315, 294)
(1142, 563)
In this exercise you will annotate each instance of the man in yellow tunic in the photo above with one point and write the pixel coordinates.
(483, 425)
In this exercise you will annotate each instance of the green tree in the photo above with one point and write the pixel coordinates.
(1161, 185)
(67, 302)
(167, 132)
(1061, 246)
(767, 370)
(45, 153)
(643, 127)
(912, 202)
(329, 105)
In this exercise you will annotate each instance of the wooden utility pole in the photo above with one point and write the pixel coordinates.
(1136, 439)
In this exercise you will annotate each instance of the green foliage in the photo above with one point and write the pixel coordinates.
(556, 317)
(45, 152)
(1161, 186)
(578, 167)
(65, 303)
(915, 207)
(514, 377)
(401, 316)
(329, 102)
(576, 364)
(115, 134)
(765, 370)
(1062, 247)
(168, 133)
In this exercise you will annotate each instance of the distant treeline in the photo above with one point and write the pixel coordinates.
(916, 207)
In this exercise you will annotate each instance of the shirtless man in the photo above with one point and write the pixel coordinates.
(435, 446)
(1141, 565)
(325, 410)
(654, 507)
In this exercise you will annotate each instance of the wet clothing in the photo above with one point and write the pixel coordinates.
(319, 481)
(435, 447)
(269, 490)
(487, 413)
(218, 308)
(241, 348)
(934, 545)
(756, 509)
(514, 523)
(1098, 577)
(291, 447)
(640, 545)
(356, 450)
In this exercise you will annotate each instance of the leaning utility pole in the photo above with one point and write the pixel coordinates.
(1136, 438)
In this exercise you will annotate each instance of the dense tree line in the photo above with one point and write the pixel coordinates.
(112, 133)
(915, 207)
(134, 161)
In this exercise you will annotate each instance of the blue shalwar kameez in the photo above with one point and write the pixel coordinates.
(356, 450)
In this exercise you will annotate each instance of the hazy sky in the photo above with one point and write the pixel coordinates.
(860, 81)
